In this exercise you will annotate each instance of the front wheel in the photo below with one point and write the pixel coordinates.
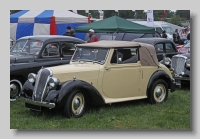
(158, 92)
(75, 104)
(15, 88)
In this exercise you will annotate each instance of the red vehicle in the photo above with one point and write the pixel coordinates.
(178, 46)
(185, 49)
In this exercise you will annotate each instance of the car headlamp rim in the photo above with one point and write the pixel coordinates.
(188, 63)
(53, 82)
(32, 77)
(167, 60)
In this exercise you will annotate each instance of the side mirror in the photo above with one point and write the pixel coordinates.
(119, 60)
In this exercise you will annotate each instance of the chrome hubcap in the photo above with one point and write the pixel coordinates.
(159, 93)
(78, 103)
(14, 89)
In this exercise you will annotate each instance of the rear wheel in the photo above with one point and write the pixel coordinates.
(15, 88)
(75, 104)
(158, 92)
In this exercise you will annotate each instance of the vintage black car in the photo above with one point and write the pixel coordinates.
(180, 65)
(162, 46)
(30, 53)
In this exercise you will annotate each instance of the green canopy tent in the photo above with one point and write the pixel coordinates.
(115, 24)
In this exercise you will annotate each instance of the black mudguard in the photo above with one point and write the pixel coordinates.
(27, 89)
(60, 95)
(161, 75)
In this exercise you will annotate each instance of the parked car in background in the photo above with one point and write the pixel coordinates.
(160, 26)
(163, 46)
(180, 65)
(183, 42)
(99, 73)
(31, 53)
(185, 49)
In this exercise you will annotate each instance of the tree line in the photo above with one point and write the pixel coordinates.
(159, 15)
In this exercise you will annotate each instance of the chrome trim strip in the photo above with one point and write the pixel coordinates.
(36, 83)
(181, 78)
(37, 103)
(181, 56)
(43, 92)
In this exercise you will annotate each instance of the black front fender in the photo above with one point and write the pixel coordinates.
(27, 89)
(60, 95)
(161, 75)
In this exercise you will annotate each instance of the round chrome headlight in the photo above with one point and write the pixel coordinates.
(53, 82)
(31, 77)
(167, 60)
(188, 63)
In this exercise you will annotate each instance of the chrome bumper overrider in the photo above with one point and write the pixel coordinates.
(37, 103)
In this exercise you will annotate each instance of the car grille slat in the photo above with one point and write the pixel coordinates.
(40, 84)
(178, 64)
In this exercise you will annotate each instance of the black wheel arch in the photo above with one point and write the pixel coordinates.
(21, 78)
(88, 90)
(159, 75)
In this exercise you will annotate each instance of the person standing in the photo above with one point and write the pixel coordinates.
(67, 33)
(176, 37)
(164, 35)
(92, 36)
(188, 36)
(72, 33)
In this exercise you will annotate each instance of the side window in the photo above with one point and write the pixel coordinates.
(67, 48)
(158, 29)
(169, 47)
(159, 48)
(51, 49)
(35, 47)
(124, 55)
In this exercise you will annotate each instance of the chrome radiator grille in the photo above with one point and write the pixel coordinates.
(40, 84)
(178, 64)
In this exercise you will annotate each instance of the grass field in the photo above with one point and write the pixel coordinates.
(134, 115)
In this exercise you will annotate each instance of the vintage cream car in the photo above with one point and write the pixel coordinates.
(99, 73)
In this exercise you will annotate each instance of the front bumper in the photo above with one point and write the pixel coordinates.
(182, 78)
(178, 80)
(35, 105)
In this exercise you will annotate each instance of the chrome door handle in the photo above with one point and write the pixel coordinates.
(107, 68)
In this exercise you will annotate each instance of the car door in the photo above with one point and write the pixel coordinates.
(121, 80)
(67, 50)
(170, 50)
(50, 55)
(159, 51)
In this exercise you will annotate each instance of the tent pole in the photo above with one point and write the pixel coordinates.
(112, 36)
(123, 36)
(113, 33)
